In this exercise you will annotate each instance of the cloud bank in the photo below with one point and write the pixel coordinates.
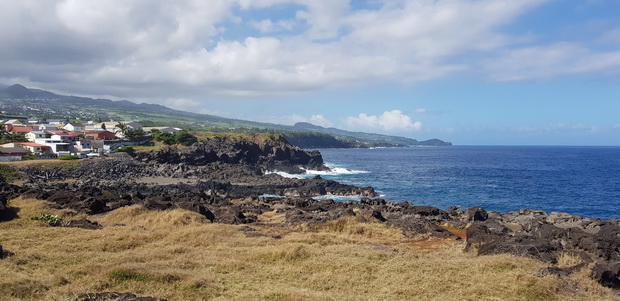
(190, 48)
(390, 121)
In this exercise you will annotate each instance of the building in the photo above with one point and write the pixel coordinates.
(48, 127)
(34, 135)
(162, 129)
(74, 127)
(84, 145)
(58, 121)
(17, 129)
(103, 135)
(65, 137)
(58, 147)
(32, 147)
(13, 151)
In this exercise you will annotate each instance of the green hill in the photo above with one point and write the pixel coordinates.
(19, 100)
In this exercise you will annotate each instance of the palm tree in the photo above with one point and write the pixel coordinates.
(123, 128)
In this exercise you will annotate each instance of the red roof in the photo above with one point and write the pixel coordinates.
(21, 129)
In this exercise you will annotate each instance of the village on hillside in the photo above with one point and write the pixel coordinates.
(54, 138)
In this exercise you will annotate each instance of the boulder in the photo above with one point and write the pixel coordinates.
(607, 274)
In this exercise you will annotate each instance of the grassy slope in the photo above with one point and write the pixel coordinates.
(179, 256)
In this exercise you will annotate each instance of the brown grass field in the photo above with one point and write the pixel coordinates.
(178, 255)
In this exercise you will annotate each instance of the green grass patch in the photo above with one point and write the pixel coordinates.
(122, 275)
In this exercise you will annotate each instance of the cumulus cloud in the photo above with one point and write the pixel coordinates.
(190, 48)
(389, 121)
(317, 119)
(548, 61)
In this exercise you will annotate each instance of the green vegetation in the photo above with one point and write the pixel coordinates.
(68, 157)
(50, 219)
(30, 157)
(126, 275)
(182, 138)
(11, 137)
(126, 149)
(8, 173)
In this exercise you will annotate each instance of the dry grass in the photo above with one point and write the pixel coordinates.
(178, 255)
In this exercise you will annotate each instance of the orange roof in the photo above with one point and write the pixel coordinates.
(21, 129)
(30, 144)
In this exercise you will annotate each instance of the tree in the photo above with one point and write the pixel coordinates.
(123, 128)
(185, 138)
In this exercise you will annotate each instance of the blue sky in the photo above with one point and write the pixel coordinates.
(525, 72)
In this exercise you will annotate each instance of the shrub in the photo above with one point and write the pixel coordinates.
(30, 157)
(8, 174)
(126, 149)
(68, 157)
(52, 220)
(185, 138)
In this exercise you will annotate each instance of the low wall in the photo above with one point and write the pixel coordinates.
(10, 158)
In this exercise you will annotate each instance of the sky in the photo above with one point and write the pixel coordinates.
(473, 72)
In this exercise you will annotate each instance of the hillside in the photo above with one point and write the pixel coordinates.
(22, 101)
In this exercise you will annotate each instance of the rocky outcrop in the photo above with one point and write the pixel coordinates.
(269, 152)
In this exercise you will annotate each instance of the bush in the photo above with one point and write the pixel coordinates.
(52, 220)
(8, 174)
(185, 138)
(30, 157)
(126, 149)
(68, 157)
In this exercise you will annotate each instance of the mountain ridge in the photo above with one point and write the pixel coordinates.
(18, 99)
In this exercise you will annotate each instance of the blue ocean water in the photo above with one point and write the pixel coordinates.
(578, 180)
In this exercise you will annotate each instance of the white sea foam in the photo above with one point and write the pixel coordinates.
(334, 171)
(287, 175)
(308, 173)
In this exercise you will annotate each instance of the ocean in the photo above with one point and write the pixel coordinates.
(579, 180)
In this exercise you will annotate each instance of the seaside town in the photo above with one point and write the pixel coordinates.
(55, 138)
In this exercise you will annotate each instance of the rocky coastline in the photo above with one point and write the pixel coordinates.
(225, 180)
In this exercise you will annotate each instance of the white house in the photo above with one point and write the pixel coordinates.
(48, 127)
(162, 129)
(34, 135)
(74, 127)
(58, 147)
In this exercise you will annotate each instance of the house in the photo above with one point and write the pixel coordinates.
(13, 151)
(74, 127)
(84, 145)
(112, 126)
(18, 129)
(32, 136)
(13, 121)
(58, 147)
(58, 121)
(32, 147)
(103, 135)
(162, 129)
(65, 137)
(48, 127)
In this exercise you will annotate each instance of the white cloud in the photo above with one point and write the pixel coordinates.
(389, 121)
(193, 49)
(268, 26)
(549, 61)
(421, 111)
(317, 119)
